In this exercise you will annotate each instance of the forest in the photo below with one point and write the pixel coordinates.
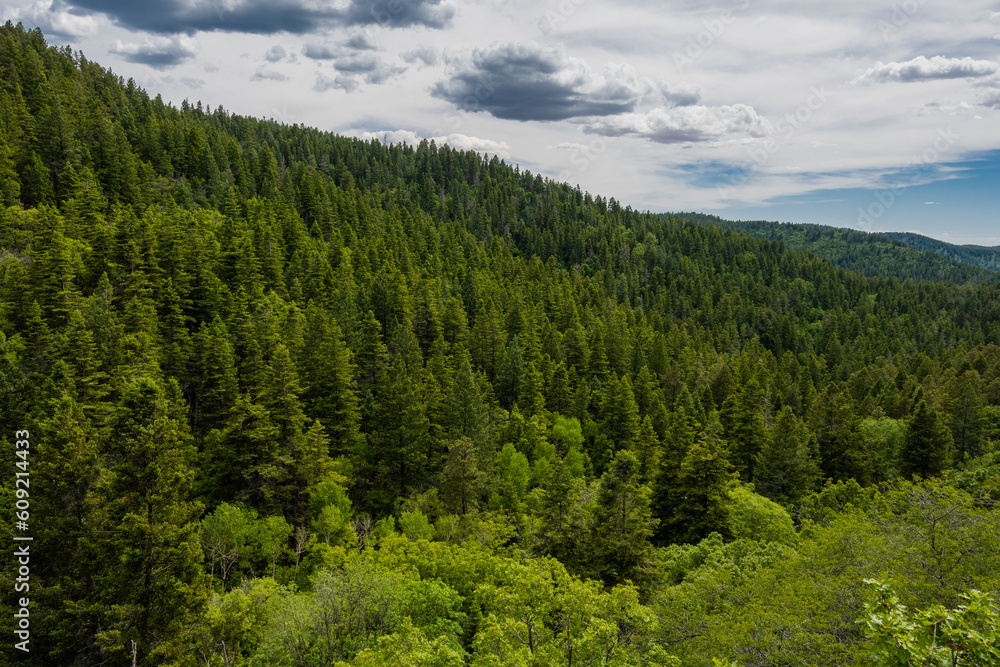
(297, 399)
(901, 255)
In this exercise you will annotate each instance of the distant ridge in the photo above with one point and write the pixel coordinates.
(899, 255)
(987, 257)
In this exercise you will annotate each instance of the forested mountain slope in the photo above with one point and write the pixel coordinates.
(986, 257)
(903, 256)
(298, 399)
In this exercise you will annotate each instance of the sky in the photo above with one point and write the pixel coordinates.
(881, 115)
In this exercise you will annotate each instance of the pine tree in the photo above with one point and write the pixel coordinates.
(623, 524)
(925, 448)
(745, 428)
(399, 443)
(151, 580)
(328, 376)
(784, 468)
(702, 493)
(510, 375)
(836, 425)
(462, 480)
(619, 413)
(219, 387)
(372, 357)
(966, 423)
(531, 400)
(465, 413)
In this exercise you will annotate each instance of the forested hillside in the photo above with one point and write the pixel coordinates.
(986, 257)
(888, 254)
(299, 399)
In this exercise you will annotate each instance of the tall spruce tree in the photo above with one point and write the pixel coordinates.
(926, 445)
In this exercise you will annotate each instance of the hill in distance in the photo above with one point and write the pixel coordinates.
(886, 254)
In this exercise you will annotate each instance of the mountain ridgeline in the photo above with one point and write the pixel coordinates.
(983, 256)
(888, 254)
(301, 399)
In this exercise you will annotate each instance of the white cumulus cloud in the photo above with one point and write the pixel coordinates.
(928, 69)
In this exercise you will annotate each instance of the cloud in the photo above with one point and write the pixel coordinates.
(461, 142)
(688, 124)
(924, 69)
(400, 13)
(530, 82)
(269, 16)
(192, 82)
(53, 18)
(264, 74)
(346, 83)
(321, 51)
(362, 42)
(680, 95)
(357, 64)
(275, 53)
(426, 54)
(158, 52)
(989, 98)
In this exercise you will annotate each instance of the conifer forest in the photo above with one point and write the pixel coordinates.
(295, 399)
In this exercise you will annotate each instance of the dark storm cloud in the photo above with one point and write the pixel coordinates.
(525, 83)
(270, 16)
(400, 13)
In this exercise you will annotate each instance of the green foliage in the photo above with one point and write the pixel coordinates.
(307, 334)
(966, 635)
(754, 517)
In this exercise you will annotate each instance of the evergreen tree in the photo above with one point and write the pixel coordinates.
(618, 412)
(622, 524)
(465, 413)
(462, 480)
(151, 584)
(372, 357)
(510, 375)
(966, 423)
(925, 448)
(745, 428)
(219, 387)
(399, 443)
(701, 496)
(784, 468)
